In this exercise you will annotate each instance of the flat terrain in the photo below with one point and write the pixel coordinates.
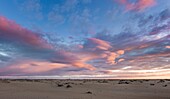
(84, 89)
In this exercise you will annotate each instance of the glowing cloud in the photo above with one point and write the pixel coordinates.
(36, 66)
(120, 60)
(167, 47)
(12, 31)
(137, 6)
(111, 56)
(100, 44)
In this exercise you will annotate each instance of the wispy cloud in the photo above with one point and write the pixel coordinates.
(9, 30)
(167, 46)
(100, 44)
(139, 5)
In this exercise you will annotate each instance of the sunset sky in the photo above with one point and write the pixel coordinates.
(85, 38)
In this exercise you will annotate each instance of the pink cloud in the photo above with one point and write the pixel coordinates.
(111, 56)
(100, 44)
(83, 65)
(103, 49)
(31, 66)
(11, 30)
(120, 52)
(167, 47)
(140, 5)
(74, 59)
(120, 60)
(36, 66)
(80, 46)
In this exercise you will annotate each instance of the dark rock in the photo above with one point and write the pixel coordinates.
(60, 85)
(161, 81)
(68, 86)
(152, 84)
(165, 85)
(5, 81)
(123, 82)
(131, 80)
(146, 80)
(140, 81)
(36, 80)
(88, 92)
(103, 81)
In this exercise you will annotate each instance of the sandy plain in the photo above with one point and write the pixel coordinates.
(84, 89)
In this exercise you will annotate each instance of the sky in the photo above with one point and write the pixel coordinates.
(113, 39)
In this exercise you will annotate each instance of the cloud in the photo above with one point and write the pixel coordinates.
(101, 49)
(56, 18)
(9, 30)
(28, 45)
(164, 15)
(31, 67)
(44, 63)
(167, 47)
(24, 52)
(139, 5)
(31, 6)
(140, 46)
(86, 1)
(72, 59)
(120, 60)
(66, 12)
(69, 5)
(141, 73)
(112, 56)
(82, 22)
(159, 29)
(100, 44)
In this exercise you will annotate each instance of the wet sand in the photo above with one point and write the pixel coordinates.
(84, 89)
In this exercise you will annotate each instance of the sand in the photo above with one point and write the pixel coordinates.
(84, 89)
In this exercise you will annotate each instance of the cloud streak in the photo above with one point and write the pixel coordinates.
(139, 5)
(9, 30)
